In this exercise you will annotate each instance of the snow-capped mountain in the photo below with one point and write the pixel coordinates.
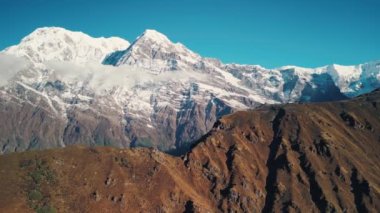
(60, 87)
(59, 44)
(155, 52)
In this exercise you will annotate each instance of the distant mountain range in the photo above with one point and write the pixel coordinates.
(59, 87)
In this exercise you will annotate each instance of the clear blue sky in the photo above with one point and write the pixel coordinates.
(271, 33)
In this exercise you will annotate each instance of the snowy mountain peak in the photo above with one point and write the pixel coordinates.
(154, 36)
(59, 44)
(43, 32)
(154, 51)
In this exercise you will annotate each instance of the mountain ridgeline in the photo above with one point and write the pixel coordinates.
(59, 88)
(319, 157)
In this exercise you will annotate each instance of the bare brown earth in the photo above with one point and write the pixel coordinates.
(293, 158)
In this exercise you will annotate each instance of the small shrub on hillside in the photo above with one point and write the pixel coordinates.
(35, 195)
(46, 209)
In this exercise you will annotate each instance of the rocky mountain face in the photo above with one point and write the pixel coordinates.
(59, 88)
(320, 157)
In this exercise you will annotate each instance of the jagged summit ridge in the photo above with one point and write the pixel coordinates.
(154, 35)
(59, 44)
(154, 51)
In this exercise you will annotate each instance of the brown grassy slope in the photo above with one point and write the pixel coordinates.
(309, 157)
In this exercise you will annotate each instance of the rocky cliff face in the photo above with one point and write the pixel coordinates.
(308, 157)
(296, 157)
(152, 93)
